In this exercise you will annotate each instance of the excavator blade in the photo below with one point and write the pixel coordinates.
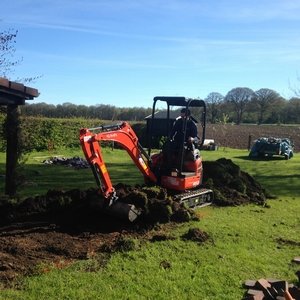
(196, 198)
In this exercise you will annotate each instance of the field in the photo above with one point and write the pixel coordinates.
(122, 262)
(237, 136)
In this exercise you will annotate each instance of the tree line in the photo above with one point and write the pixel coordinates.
(239, 105)
(243, 105)
(101, 111)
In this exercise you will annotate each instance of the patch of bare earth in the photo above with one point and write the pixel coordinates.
(237, 136)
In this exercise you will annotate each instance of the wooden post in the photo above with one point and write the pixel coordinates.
(12, 148)
(249, 142)
(13, 94)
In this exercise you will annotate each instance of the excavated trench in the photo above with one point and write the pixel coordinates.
(62, 226)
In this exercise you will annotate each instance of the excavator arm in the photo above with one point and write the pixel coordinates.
(123, 134)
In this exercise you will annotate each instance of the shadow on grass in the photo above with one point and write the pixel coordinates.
(38, 179)
(281, 185)
(267, 158)
(274, 175)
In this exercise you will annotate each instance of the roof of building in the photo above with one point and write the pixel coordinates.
(15, 93)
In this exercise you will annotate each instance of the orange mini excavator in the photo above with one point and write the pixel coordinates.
(180, 171)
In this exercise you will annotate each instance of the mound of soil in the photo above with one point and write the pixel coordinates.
(231, 185)
(63, 226)
(196, 235)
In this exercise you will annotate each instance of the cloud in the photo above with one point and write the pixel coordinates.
(257, 10)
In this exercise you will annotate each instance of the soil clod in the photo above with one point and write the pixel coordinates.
(196, 235)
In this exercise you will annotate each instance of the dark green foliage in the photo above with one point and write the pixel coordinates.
(40, 134)
(100, 111)
(50, 134)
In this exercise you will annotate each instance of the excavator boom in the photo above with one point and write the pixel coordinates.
(123, 134)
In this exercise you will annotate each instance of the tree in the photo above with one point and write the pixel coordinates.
(277, 111)
(263, 100)
(8, 60)
(292, 111)
(239, 98)
(7, 52)
(214, 101)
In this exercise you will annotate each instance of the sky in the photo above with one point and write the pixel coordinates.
(125, 52)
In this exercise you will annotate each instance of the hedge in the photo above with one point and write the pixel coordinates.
(40, 133)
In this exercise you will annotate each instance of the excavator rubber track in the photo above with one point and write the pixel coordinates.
(196, 198)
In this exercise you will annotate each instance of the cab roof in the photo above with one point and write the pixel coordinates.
(180, 101)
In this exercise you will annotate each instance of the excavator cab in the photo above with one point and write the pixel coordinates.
(180, 168)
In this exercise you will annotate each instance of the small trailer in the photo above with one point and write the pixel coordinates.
(267, 147)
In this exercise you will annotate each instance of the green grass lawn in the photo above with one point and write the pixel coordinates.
(39, 178)
(244, 241)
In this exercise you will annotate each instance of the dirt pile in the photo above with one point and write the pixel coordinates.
(79, 210)
(196, 235)
(231, 185)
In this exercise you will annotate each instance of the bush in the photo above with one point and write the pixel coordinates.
(39, 133)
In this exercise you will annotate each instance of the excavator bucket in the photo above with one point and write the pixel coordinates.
(123, 211)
